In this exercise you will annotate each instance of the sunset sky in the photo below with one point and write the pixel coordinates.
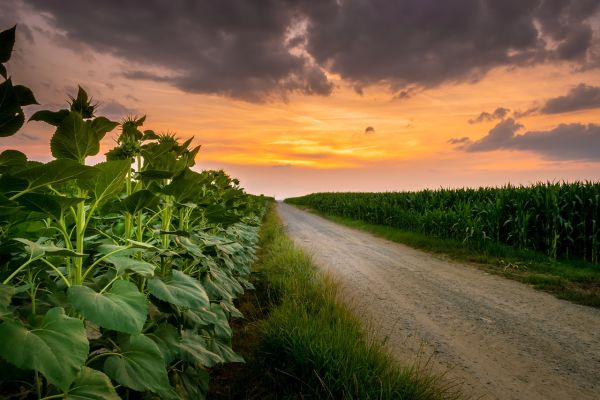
(295, 96)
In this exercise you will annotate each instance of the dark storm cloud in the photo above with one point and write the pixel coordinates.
(499, 113)
(235, 48)
(429, 42)
(259, 49)
(565, 142)
(581, 97)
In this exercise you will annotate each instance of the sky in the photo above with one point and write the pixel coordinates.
(301, 96)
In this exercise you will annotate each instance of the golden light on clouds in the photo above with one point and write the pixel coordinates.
(317, 139)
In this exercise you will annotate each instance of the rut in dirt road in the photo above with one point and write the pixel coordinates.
(503, 339)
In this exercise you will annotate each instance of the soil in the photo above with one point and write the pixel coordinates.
(499, 338)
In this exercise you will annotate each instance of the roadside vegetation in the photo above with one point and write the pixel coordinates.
(545, 235)
(301, 342)
(117, 280)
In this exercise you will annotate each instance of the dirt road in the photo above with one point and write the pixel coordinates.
(504, 340)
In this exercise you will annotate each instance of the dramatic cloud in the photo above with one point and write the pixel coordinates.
(428, 42)
(228, 47)
(565, 142)
(369, 129)
(499, 113)
(261, 49)
(581, 97)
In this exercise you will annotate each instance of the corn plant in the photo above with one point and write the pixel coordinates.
(560, 220)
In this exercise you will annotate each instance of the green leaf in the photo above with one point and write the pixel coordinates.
(7, 42)
(6, 294)
(8, 207)
(109, 181)
(195, 350)
(57, 347)
(11, 113)
(24, 95)
(38, 250)
(225, 351)
(179, 289)
(150, 135)
(52, 205)
(12, 158)
(221, 325)
(54, 172)
(50, 117)
(185, 186)
(124, 264)
(156, 174)
(192, 383)
(140, 200)
(91, 384)
(122, 308)
(140, 365)
(75, 139)
(43, 203)
(101, 126)
(197, 318)
(167, 338)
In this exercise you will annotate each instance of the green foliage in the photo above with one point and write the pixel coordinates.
(91, 384)
(57, 346)
(76, 138)
(122, 308)
(180, 290)
(7, 42)
(560, 220)
(12, 117)
(309, 345)
(139, 365)
(119, 277)
(12, 97)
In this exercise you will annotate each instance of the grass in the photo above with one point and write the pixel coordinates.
(572, 280)
(301, 342)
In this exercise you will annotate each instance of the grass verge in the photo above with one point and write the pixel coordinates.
(301, 342)
(576, 281)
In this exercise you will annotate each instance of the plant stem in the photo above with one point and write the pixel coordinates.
(25, 264)
(38, 385)
(54, 396)
(108, 353)
(91, 267)
(60, 274)
(108, 284)
(80, 234)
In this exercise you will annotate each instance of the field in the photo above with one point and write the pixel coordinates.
(544, 235)
(559, 220)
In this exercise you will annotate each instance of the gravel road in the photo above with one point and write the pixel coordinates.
(502, 339)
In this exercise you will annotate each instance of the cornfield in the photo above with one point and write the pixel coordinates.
(558, 219)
